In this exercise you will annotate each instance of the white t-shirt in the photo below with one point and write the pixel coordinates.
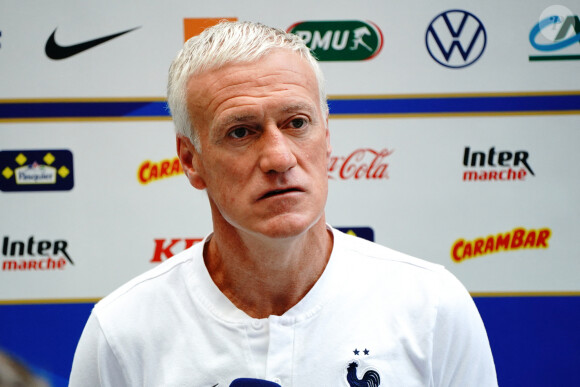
(376, 317)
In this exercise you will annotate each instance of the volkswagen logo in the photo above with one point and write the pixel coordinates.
(455, 38)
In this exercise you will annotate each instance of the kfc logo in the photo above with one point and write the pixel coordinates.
(364, 163)
(167, 248)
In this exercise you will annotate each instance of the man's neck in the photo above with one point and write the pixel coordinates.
(268, 277)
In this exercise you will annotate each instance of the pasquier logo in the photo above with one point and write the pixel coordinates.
(363, 163)
(36, 170)
(341, 40)
(361, 232)
(455, 38)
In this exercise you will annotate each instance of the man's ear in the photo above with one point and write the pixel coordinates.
(190, 162)
(328, 146)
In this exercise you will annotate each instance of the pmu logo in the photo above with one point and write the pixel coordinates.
(36, 170)
(34, 254)
(518, 238)
(496, 166)
(167, 248)
(150, 171)
(557, 31)
(345, 40)
(455, 39)
(363, 163)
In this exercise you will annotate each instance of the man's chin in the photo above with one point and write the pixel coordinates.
(288, 227)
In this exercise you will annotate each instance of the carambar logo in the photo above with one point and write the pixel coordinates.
(341, 40)
(150, 171)
(518, 238)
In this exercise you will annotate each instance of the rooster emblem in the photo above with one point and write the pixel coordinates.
(371, 378)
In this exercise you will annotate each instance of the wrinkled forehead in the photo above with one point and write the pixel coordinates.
(214, 65)
(281, 73)
(271, 86)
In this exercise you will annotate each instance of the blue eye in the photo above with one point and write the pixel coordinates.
(239, 132)
(298, 123)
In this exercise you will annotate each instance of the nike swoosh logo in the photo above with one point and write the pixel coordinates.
(56, 51)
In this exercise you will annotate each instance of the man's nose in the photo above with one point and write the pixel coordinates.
(276, 151)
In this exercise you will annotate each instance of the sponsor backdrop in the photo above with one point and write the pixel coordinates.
(454, 126)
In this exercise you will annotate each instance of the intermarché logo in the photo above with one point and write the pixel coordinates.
(342, 40)
(455, 38)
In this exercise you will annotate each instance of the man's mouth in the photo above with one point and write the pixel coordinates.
(278, 192)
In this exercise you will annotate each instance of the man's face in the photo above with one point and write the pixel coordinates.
(264, 145)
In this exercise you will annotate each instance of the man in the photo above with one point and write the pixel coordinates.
(275, 296)
(13, 373)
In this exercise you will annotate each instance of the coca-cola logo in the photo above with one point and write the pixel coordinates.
(364, 163)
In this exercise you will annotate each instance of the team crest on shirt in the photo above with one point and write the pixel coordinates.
(369, 378)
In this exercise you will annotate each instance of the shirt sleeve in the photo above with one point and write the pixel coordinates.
(94, 363)
(461, 352)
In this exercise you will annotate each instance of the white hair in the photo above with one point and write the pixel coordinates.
(224, 43)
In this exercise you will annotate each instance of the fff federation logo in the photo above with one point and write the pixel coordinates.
(36, 170)
(455, 39)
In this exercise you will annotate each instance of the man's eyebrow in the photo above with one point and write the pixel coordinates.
(241, 118)
(235, 119)
(298, 107)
